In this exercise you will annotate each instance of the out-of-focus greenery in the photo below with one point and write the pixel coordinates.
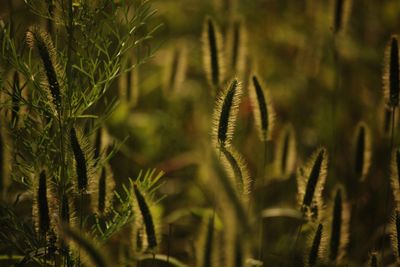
(320, 82)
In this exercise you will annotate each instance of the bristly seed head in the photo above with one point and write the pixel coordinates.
(395, 236)
(315, 247)
(391, 73)
(362, 150)
(339, 227)
(212, 53)
(39, 39)
(80, 160)
(263, 111)
(147, 218)
(225, 114)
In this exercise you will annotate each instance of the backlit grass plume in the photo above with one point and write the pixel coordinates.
(339, 235)
(395, 235)
(341, 15)
(41, 41)
(212, 53)
(81, 161)
(391, 73)
(176, 70)
(236, 47)
(94, 255)
(362, 150)
(41, 213)
(102, 188)
(237, 169)
(311, 182)
(373, 260)
(285, 161)
(385, 117)
(263, 111)
(225, 114)
(395, 176)
(147, 217)
(317, 246)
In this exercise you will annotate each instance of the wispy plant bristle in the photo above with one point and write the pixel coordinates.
(312, 181)
(225, 114)
(40, 40)
(147, 218)
(391, 73)
(362, 150)
(212, 53)
(264, 114)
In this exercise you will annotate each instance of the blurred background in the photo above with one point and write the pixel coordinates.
(322, 81)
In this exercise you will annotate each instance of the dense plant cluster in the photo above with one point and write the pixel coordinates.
(201, 133)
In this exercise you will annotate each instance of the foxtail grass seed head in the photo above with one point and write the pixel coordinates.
(236, 169)
(175, 72)
(395, 176)
(225, 114)
(80, 160)
(43, 205)
(96, 257)
(362, 150)
(264, 114)
(311, 182)
(314, 256)
(236, 46)
(339, 227)
(147, 218)
(395, 235)
(391, 73)
(373, 260)
(212, 53)
(341, 15)
(286, 152)
(40, 40)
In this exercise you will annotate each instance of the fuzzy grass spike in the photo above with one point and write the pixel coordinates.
(264, 114)
(225, 114)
